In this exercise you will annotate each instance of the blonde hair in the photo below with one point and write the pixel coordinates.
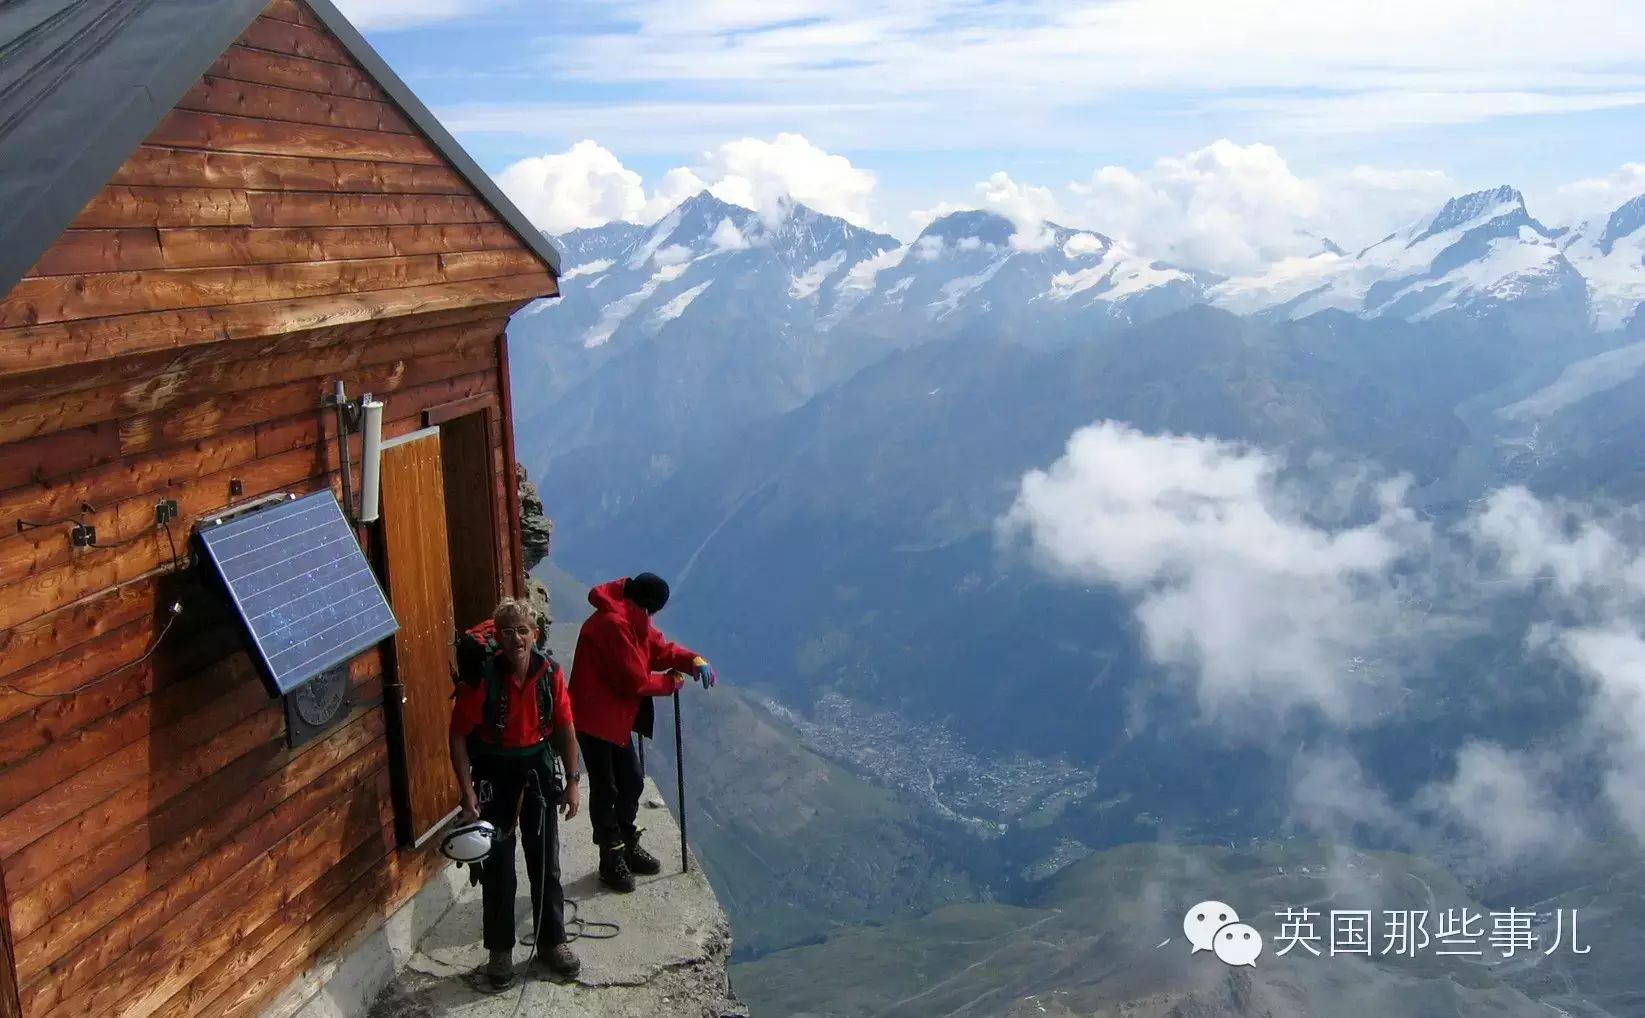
(512, 610)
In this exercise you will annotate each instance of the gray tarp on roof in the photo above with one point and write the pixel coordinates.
(83, 82)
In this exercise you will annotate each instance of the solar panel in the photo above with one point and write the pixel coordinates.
(306, 594)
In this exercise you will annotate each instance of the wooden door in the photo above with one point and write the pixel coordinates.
(418, 571)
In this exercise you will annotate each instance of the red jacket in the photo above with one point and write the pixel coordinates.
(619, 656)
(523, 726)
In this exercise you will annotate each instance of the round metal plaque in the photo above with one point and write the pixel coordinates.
(318, 700)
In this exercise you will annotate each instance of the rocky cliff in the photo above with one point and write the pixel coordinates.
(536, 534)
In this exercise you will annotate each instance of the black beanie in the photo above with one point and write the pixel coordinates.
(648, 590)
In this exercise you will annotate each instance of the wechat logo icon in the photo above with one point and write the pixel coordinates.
(1213, 926)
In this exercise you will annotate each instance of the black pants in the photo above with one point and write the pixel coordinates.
(614, 787)
(508, 781)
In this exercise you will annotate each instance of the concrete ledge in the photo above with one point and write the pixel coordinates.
(668, 958)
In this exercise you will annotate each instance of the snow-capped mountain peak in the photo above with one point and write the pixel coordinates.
(1627, 221)
(812, 273)
(1475, 254)
(1470, 211)
(1609, 251)
(973, 265)
(623, 279)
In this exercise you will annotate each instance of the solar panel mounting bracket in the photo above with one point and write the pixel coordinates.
(234, 512)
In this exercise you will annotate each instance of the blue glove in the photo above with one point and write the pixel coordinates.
(705, 672)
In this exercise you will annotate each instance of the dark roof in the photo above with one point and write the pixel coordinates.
(83, 82)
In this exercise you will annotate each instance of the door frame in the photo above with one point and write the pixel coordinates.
(485, 407)
(394, 697)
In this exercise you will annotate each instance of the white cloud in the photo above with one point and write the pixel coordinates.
(919, 219)
(761, 175)
(928, 249)
(1595, 196)
(386, 15)
(677, 185)
(593, 268)
(673, 254)
(1224, 208)
(1238, 208)
(1410, 61)
(1612, 658)
(1332, 795)
(1361, 206)
(1587, 563)
(1242, 584)
(1503, 803)
(1373, 112)
(588, 185)
(584, 186)
(1593, 572)
(1265, 609)
(1082, 244)
(728, 238)
(1027, 206)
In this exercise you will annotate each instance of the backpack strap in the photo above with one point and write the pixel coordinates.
(498, 693)
(495, 716)
(545, 694)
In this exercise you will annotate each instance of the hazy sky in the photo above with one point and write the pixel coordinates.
(1344, 118)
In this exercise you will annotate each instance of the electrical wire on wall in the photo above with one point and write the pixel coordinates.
(176, 608)
(86, 508)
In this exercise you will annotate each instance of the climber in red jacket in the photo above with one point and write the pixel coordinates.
(620, 658)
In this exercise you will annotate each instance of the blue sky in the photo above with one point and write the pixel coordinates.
(1344, 118)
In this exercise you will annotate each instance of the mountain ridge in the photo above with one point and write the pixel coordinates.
(1508, 254)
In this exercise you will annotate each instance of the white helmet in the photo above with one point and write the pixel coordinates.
(470, 842)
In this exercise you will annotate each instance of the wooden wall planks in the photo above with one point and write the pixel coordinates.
(60, 344)
(242, 63)
(162, 850)
(222, 132)
(285, 37)
(63, 298)
(74, 886)
(145, 369)
(290, 105)
(158, 166)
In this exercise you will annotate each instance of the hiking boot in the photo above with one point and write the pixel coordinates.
(614, 871)
(499, 971)
(639, 860)
(560, 961)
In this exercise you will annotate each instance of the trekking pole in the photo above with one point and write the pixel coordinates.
(679, 773)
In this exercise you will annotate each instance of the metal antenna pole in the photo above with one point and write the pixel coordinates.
(340, 401)
(679, 772)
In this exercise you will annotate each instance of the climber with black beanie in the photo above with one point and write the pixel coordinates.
(622, 662)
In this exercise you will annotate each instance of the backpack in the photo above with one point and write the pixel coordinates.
(476, 663)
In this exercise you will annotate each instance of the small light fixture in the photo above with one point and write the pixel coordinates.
(371, 456)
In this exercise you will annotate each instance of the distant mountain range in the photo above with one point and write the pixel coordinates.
(1478, 254)
(813, 430)
(716, 316)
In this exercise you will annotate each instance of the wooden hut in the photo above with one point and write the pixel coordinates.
(211, 213)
